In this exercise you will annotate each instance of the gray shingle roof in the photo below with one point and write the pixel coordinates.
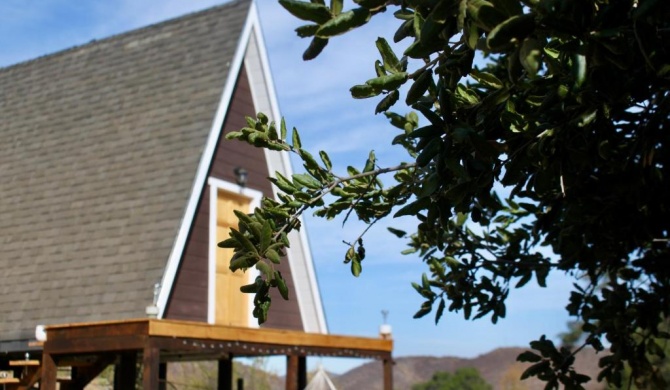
(99, 147)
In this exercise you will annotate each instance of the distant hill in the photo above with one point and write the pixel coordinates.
(498, 367)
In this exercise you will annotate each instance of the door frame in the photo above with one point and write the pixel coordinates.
(215, 187)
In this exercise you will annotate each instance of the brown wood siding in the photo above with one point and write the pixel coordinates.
(188, 300)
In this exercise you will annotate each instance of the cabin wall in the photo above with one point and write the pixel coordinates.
(188, 300)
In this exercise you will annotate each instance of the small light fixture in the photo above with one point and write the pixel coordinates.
(40, 333)
(241, 175)
(152, 310)
(385, 330)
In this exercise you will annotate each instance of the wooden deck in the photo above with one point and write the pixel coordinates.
(159, 341)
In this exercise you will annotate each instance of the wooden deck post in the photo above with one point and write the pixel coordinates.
(291, 372)
(162, 376)
(296, 372)
(302, 372)
(225, 378)
(388, 373)
(125, 371)
(49, 371)
(151, 362)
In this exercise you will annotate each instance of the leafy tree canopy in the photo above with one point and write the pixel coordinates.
(557, 141)
(462, 379)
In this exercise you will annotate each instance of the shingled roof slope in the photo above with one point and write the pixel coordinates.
(99, 147)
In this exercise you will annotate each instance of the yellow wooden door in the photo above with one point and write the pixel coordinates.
(232, 306)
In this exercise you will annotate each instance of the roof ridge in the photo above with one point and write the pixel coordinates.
(121, 35)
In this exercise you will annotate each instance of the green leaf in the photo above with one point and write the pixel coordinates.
(229, 243)
(417, 24)
(234, 135)
(273, 256)
(371, 4)
(388, 101)
(426, 307)
(398, 233)
(312, 12)
(281, 285)
(535, 369)
(356, 267)
(487, 79)
(266, 236)
(306, 31)
(283, 129)
(509, 7)
(344, 22)
(391, 62)
(413, 208)
(516, 27)
(243, 240)
(524, 279)
(440, 310)
(472, 34)
(419, 87)
(655, 349)
(326, 160)
(418, 50)
(243, 261)
(265, 270)
(405, 30)
(541, 275)
(529, 357)
(363, 91)
(530, 55)
(249, 288)
(644, 8)
(283, 184)
(315, 48)
(296, 139)
(388, 83)
(370, 162)
(579, 69)
(336, 6)
(431, 150)
(430, 31)
(307, 181)
(484, 14)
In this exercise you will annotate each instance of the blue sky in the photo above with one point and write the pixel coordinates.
(314, 97)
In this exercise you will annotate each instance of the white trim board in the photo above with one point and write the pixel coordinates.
(299, 254)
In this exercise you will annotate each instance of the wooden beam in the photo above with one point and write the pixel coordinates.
(93, 345)
(162, 376)
(24, 363)
(388, 373)
(225, 377)
(292, 372)
(302, 372)
(125, 371)
(126, 335)
(49, 372)
(151, 363)
(210, 348)
(183, 329)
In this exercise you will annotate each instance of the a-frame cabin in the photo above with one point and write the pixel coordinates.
(116, 184)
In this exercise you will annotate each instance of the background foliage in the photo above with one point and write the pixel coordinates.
(549, 153)
(462, 379)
